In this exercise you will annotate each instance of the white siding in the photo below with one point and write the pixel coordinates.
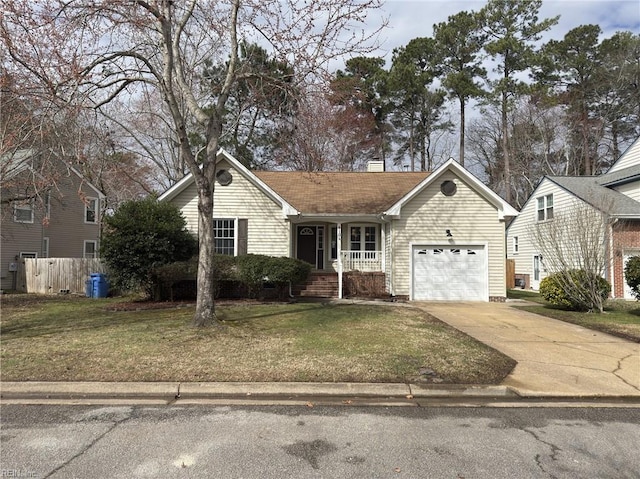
(521, 226)
(268, 232)
(471, 219)
(630, 157)
(632, 190)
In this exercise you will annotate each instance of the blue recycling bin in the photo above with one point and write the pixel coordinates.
(99, 286)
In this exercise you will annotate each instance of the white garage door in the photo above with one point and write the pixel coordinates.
(449, 273)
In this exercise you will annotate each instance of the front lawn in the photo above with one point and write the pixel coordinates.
(620, 318)
(82, 339)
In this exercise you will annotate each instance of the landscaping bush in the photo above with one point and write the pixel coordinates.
(165, 277)
(239, 276)
(577, 290)
(141, 236)
(632, 273)
(254, 270)
(179, 280)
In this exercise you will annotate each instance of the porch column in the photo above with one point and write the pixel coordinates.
(339, 253)
(383, 239)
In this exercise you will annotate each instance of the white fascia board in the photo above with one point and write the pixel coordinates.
(338, 218)
(173, 191)
(504, 209)
(100, 194)
(626, 216)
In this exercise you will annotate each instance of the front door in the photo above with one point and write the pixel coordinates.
(310, 245)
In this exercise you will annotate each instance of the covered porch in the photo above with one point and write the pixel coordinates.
(340, 245)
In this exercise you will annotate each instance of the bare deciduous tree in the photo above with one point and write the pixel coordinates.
(324, 136)
(575, 240)
(93, 51)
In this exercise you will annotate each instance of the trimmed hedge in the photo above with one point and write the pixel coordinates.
(246, 275)
(571, 289)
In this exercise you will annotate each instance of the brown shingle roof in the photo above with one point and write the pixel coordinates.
(341, 192)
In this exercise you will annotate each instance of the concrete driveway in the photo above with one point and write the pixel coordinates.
(554, 358)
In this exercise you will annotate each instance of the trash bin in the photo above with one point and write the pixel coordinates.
(100, 285)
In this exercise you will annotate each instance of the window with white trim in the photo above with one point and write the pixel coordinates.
(545, 207)
(91, 210)
(224, 233)
(516, 245)
(28, 254)
(23, 212)
(363, 238)
(90, 249)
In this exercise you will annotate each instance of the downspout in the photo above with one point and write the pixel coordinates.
(339, 247)
(612, 259)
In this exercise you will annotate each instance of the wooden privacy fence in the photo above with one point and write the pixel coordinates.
(511, 273)
(55, 275)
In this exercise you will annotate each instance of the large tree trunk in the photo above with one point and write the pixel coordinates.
(205, 314)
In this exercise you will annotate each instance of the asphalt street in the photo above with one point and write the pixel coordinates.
(62, 441)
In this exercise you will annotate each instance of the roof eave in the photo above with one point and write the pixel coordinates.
(337, 217)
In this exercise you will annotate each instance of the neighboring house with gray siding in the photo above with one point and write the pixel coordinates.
(615, 195)
(45, 217)
(431, 236)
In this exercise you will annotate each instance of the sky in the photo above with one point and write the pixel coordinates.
(410, 19)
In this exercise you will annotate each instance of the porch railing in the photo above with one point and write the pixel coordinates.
(362, 261)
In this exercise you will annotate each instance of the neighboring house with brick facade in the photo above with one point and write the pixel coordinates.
(616, 195)
(425, 236)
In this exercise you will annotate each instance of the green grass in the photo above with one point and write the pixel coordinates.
(620, 318)
(73, 339)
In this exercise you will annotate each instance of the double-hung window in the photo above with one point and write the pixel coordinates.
(516, 245)
(224, 231)
(364, 238)
(91, 210)
(90, 249)
(545, 207)
(23, 212)
(230, 236)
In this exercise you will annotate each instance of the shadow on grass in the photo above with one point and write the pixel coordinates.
(50, 324)
(57, 317)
